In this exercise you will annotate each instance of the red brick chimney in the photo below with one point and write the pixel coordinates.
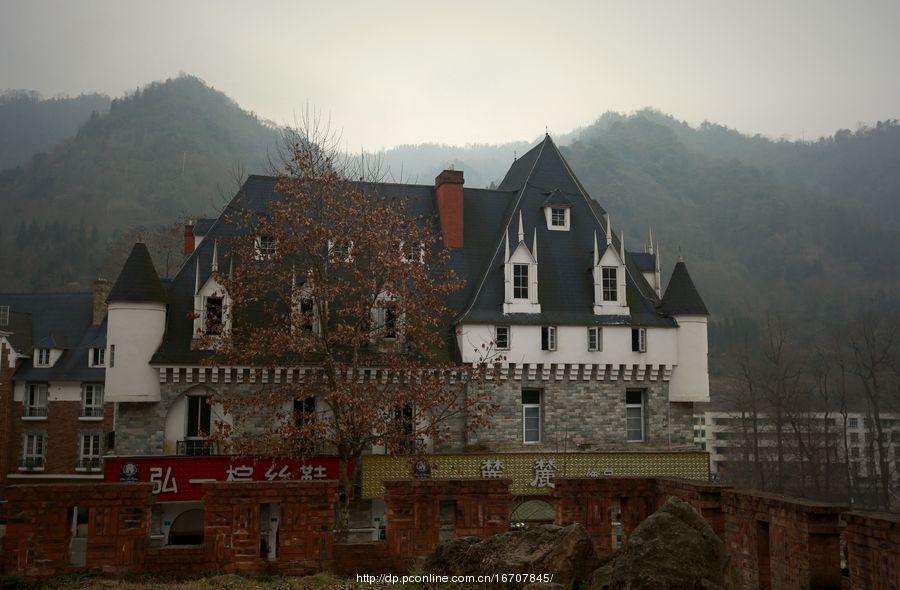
(448, 187)
(188, 238)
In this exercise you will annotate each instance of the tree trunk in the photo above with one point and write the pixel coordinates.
(345, 490)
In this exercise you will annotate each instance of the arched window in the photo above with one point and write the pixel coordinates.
(187, 528)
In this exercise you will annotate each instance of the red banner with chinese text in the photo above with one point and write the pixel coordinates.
(181, 478)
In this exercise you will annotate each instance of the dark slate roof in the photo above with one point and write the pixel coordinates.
(66, 318)
(564, 258)
(644, 261)
(138, 280)
(565, 283)
(202, 225)
(558, 199)
(681, 295)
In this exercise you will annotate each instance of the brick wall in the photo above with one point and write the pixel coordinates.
(39, 527)
(6, 407)
(873, 546)
(705, 497)
(414, 518)
(307, 519)
(63, 429)
(780, 542)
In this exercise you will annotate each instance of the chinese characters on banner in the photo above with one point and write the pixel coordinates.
(182, 478)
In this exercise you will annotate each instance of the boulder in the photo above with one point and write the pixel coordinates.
(565, 552)
(673, 548)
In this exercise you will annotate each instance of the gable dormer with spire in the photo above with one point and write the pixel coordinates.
(520, 268)
(211, 301)
(609, 272)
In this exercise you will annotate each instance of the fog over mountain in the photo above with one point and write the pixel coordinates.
(806, 228)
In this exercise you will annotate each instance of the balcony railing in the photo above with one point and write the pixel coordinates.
(32, 463)
(195, 447)
(90, 463)
(35, 411)
(92, 412)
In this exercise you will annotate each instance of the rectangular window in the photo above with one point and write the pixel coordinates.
(548, 337)
(639, 339)
(854, 437)
(96, 357)
(341, 250)
(266, 247)
(531, 416)
(854, 422)
(610, 283)
(214, 315)
(92, 400)
(390, 322)
(558, 217)
(36, 400)
(634, 415)
(112, 355)
(91, 453)
(520, 281)
(4, 315)
(307, 314)
(199, 416)
(34, 450)
(854, 452)
(501, 337)
(404, 419)
(43, 357)
(595, 339)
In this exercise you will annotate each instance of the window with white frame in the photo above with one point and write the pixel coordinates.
(34, 450)
(199, 417)
(558, 216)
(266, 247)
(306, 311)
(36, 400)
(387, 320)
(520, 281)
(531, 416)
(595, 338)
(340, 251)
(92, 400)
(214, 315)
(854, 422)
(96, 357)
(42, 357)
(90, 451)
(639, 339)
(634, 415)
(610, 283)
(4, 315)
(501, 337)
(548, 337)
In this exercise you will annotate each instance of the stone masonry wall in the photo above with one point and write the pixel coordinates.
(873, 547)
(583, 414)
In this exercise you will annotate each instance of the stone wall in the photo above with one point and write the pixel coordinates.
(780, 542)
(6, 403)
(583, 414)
(414, 513)
(307, 519)
(873, 547)
(39, 527)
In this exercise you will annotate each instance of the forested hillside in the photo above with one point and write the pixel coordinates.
(31, 124)
(807, 229)
(169, 149)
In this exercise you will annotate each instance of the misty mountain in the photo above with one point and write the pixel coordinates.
(807, 229)
(30, 124)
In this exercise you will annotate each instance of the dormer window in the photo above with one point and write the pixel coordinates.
(307, 314)
(610, 283)
(4, 315)
(266, 247)
(557, 209)
(520, 281)
(97, 357)
(214, 315)
(42, 357)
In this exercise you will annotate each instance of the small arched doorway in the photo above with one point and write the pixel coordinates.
(187, 528)
(532, 512)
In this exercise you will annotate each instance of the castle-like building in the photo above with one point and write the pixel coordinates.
(600, 362)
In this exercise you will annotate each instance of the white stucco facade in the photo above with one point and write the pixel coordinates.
(134, 332)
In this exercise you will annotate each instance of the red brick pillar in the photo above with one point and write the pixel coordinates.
(6, 403)
(873, 546)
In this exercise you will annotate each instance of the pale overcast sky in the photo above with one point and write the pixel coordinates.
(462, 72)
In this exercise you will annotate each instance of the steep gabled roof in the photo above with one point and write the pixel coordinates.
(138, 280)
(565, 284)
(682, 297)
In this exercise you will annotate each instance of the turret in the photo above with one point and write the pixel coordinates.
(682, 301)
(135, 326)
